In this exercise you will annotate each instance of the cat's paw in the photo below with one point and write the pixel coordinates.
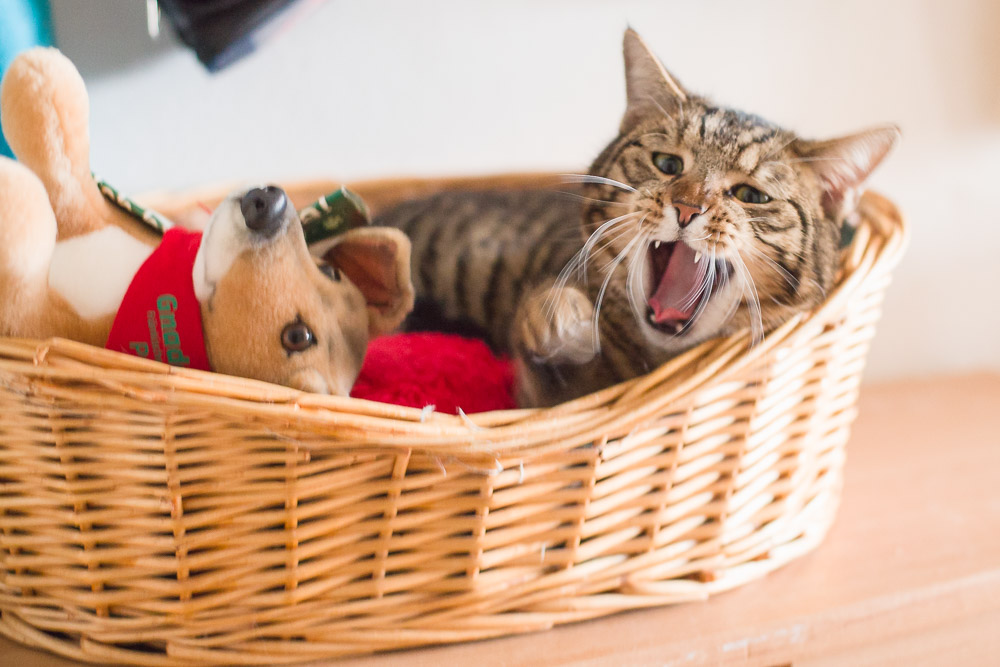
(556, 326)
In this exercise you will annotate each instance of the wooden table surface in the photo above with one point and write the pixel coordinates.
(909, 575)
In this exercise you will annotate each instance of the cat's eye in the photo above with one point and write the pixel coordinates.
(297, 336)
(749, 194)
(669, 164)
(330, 271)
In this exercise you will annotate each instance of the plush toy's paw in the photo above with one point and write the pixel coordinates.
(27, 237)
(27, 225)
(45, 110)
(556, 326)
(45, 115)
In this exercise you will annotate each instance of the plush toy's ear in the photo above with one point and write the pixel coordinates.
(377, 261)
(45, 112)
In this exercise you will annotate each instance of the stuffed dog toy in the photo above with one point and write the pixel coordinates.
(244, 298)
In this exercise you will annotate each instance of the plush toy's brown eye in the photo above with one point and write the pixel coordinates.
(297, 336)
(749, 194)
(330, 271)
(669, 164)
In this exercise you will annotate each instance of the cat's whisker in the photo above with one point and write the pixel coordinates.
(696, 292)
(578, 263)
(609, 231)
(604, 268)
(592, 200)
(753, 300)
(599, 301)
(693, 295)
(680, 104)
(599, 180)
(735, 305)
(789, 278)
(806, 159)
(706, 288)
(822, 290)
(633, 279)
(609, 240)
(723, 284)
(794, 253)
(768, 219)
(702, 295)
(776, 151)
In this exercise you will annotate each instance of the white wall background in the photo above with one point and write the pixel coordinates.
(360, 88)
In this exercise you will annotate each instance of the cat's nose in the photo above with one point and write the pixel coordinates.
(264, 209)
(686, 212)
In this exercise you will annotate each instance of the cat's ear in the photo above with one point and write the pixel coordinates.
(844, 164)
(649, 86)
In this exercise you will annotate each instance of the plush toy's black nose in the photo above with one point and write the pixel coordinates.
(264, 208)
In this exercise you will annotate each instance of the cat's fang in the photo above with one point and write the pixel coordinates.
(697, 257)
(656, 244)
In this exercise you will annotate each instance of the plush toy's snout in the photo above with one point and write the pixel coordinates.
(271, 312)
(264, 209)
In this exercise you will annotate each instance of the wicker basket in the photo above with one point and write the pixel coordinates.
(154, 515)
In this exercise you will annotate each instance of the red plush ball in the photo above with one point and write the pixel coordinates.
(443, 370)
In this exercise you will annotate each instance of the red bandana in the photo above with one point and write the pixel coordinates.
(160, 317)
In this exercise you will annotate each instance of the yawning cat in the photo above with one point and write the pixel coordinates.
(695, 222)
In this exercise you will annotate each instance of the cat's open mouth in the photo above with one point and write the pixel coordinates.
(682, 281)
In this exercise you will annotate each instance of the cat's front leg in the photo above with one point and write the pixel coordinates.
(555, 348)
(555, 326)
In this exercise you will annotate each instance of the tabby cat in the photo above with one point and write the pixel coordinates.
(695, 222)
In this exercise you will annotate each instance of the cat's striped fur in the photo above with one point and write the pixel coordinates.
(694, 222)
(480, 251)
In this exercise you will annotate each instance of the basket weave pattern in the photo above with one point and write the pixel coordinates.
(154, 515)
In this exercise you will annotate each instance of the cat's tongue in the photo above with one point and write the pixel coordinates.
(676, 297)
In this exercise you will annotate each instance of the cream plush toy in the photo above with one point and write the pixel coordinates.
(244, 298)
